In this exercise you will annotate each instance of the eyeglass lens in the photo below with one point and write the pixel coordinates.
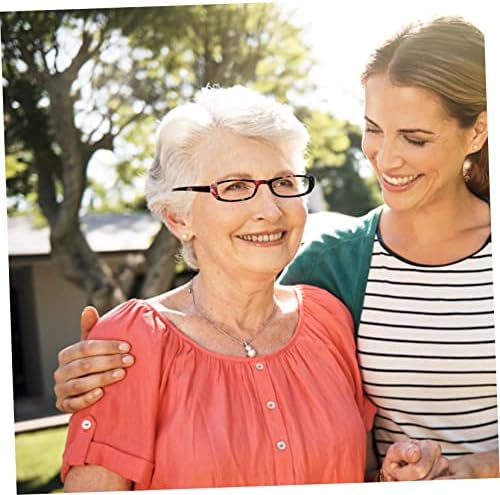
(237, 190)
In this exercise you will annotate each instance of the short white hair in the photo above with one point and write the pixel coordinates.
(236, 109)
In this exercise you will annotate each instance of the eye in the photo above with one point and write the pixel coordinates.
(286, 182)
(235, 186)
(415, 142)
(372, 130)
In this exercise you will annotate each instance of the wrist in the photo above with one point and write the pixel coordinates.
(480, 465)
(487, 467)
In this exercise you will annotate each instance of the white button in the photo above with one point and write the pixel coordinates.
(86, 424)
(270, 404)
(281, 445)
(259, 366)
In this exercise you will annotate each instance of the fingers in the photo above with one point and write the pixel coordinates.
(440, 467)
(71, 405)
(89, 365)
(429, 462)
(399, 454)
(88, 319)
(91, 348)
(75, 394)
(403, 453)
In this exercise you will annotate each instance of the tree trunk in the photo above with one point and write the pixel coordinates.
(160, 264)
(82, 266)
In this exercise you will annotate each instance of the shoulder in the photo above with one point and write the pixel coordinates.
(319, 305)
(132, 319)
(330, 244)
(327, 230)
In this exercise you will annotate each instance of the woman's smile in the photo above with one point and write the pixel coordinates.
(265, 239)
(399, 183)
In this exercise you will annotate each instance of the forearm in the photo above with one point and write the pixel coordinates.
(91, 478)
(483, 465)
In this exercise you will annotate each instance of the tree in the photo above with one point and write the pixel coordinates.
(335, 156)
(76, 82)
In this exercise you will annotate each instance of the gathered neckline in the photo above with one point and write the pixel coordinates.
(237, 359)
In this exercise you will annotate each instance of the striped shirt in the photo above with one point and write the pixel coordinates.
(427, 353)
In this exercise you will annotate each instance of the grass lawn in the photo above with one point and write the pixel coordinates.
(38, 459)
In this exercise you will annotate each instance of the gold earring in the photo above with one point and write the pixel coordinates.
(474, 147)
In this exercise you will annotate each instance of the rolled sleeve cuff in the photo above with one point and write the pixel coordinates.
(84, 450)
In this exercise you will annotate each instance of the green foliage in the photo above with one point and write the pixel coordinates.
(14, 167)
(334, 157)
(140, 62)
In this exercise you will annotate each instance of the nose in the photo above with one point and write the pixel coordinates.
(387, 155)
(265, 204)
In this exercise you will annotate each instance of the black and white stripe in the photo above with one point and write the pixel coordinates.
(426, 349)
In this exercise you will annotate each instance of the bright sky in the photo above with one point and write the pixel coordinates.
(342, 33)
(343, 36)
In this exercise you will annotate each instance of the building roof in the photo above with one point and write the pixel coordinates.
(110, 232)
(107, 232)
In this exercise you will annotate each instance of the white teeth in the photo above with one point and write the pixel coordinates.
(399, 181)
(263, 237)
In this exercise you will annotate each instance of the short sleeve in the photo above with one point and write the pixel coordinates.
(118, 432)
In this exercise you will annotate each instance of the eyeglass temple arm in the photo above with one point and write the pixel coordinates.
(193, 188)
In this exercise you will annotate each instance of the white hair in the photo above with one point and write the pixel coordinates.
(236, 109)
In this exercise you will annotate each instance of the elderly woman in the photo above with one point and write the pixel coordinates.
(238, 380)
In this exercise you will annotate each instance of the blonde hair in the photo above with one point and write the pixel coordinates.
(236, 109)
(446, 56)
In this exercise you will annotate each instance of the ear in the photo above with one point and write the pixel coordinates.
(479, 132)
(178, 225)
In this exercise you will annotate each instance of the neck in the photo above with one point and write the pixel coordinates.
(235, 303)
(446, 216)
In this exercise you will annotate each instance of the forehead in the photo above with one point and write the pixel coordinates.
(406, 106)
(222, 153)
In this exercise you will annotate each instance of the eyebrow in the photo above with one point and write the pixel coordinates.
(245, 175)
(409, 130)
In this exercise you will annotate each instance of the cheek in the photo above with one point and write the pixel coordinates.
(369, 146)
(298, 214)
(207, 218)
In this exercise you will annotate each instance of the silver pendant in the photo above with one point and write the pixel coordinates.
(249, 350)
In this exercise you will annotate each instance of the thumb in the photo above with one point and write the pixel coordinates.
(88, 319)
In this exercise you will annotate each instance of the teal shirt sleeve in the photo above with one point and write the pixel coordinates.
(338, 260)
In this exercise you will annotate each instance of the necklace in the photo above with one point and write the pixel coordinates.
(250, 350)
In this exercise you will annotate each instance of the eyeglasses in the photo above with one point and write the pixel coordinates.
(289, 186)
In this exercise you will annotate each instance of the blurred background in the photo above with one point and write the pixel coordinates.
(83, 91)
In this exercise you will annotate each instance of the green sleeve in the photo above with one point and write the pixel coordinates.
(337, 261)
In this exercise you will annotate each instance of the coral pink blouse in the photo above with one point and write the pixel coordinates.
(186, 417)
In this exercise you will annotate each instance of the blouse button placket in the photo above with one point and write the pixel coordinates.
(275, 422)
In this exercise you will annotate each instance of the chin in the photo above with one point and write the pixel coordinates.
(400, 203)
(273, 269)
